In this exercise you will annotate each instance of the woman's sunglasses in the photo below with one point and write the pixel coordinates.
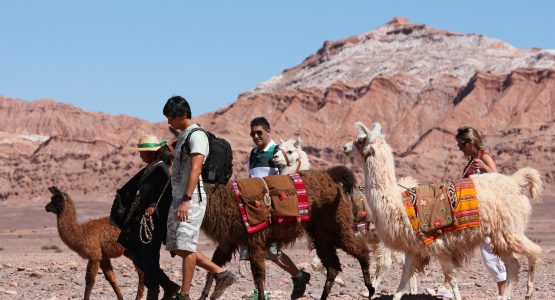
(461, 145)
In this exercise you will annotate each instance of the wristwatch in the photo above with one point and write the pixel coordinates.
(186, 198)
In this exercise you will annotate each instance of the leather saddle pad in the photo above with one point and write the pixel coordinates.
(284, 196)
(433, 207)
(253, 191)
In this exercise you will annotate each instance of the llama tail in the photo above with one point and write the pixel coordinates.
(345, 176)
(530, 178)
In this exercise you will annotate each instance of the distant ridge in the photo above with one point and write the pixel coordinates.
(420, 83)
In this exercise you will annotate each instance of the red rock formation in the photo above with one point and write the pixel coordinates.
(420, 83)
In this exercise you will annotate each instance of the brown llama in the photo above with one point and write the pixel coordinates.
(329, 228)
(292, 158)
(95, 240)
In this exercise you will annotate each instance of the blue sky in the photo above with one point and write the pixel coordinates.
(128, 57)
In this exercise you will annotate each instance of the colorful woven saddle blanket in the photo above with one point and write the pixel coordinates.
(273, 199)
(436, 208)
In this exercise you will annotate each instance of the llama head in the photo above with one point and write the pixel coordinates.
(289, 154)
(365, 139)
(57, 200)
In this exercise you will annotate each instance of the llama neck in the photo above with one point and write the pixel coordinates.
(68, 229)
(384, 197)
(304, 165)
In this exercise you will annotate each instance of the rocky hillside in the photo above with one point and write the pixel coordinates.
(420, 83)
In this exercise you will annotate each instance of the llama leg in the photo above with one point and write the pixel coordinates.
(221, 256)
(358, 248)
(449, 273)
(328, 256)
(140, 276)
(108, 271)
(512, 266)
(92, 269)
(382, 256)
(258, 267)
(408, 271)
(533, 252)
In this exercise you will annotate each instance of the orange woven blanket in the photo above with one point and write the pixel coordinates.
(461, 195)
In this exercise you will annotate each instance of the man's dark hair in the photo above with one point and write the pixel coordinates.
(177, 106)
(261, 121)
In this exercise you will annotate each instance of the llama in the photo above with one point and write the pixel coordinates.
(504, 209)
(95, 240)
(291, 158)
(329, 228)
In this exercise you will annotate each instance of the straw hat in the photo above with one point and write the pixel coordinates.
(149, 143)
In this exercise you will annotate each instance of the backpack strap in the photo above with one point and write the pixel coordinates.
(186, 149)
(185, 145)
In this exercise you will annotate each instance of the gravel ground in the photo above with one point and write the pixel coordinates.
(36, 264)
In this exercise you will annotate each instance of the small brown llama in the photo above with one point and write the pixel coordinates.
(95, 240)
(329, 228)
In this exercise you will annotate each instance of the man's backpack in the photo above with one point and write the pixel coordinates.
(218, 165)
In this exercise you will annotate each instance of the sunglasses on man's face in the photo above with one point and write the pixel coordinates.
(257, 133)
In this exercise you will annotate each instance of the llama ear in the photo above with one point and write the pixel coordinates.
(298, 142)
(376, 131)
(362, 129)
(281, 141)
(54, 190)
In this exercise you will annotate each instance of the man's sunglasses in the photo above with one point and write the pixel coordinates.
(257, 132)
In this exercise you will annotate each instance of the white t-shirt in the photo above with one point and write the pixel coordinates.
(181, 166)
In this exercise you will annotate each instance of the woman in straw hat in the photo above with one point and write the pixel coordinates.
(145, 216)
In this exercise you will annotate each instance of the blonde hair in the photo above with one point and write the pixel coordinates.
(469, 134)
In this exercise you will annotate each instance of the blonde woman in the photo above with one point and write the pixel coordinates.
(480, 161)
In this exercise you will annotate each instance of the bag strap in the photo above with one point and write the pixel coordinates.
(185, 145)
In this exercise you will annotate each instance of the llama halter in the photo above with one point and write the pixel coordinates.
(288, 162)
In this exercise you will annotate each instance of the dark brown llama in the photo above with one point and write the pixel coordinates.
(95, 240)
(329, 228)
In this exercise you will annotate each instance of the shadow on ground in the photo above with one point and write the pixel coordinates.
(408, 297)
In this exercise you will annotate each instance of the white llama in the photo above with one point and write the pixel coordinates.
(504, 208)
(291, 158)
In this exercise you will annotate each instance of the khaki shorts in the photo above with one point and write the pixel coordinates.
(184, 235)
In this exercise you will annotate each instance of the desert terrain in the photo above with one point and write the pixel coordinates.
(420, 83)
(36, 264)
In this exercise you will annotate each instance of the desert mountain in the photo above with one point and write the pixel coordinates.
(420, 83)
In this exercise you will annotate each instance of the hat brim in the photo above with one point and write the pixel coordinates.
(147, 148)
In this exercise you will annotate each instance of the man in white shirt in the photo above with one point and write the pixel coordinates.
(188, 208)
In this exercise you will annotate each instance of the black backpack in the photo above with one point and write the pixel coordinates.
(218, 166)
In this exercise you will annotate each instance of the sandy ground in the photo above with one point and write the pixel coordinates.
(36, 264)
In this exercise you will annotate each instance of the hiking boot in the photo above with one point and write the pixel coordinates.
(180, 296)
(152, 294)
(254, 295)
(299, 285)
(170, 288)
(223, 281)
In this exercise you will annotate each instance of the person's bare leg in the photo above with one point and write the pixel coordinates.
(501, 286)
(188, 268)
(283, 261)
(206, 263)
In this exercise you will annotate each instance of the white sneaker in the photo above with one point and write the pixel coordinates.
(445, 293)
(441, 292)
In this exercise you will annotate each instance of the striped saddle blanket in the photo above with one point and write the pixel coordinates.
(273, 199)
(436, 208)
